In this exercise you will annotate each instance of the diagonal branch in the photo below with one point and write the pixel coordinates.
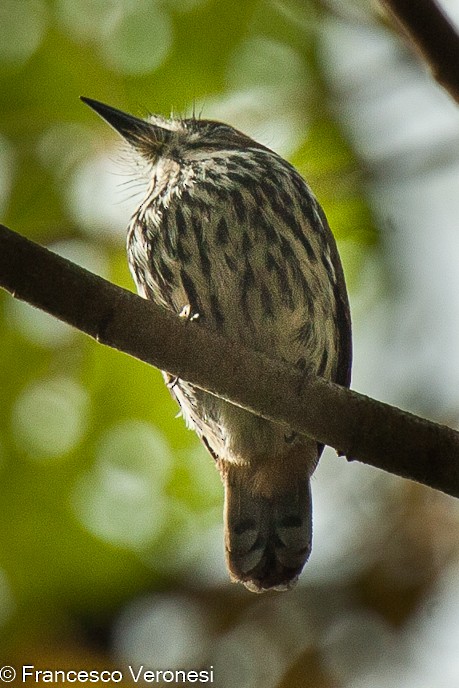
(429, 29)
(360, 427)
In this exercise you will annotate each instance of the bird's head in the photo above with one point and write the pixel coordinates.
(174, 138)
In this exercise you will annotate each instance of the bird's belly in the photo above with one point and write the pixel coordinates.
(251, 294)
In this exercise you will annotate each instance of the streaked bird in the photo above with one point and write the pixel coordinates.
(230, 235)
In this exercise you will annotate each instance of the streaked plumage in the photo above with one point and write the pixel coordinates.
(230, 233)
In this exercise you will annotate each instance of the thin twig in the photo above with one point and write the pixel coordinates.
(431, 32)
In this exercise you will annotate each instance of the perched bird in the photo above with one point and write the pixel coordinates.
(230, 235)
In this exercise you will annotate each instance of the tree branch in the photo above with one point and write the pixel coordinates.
(433, 35)
(360, 427)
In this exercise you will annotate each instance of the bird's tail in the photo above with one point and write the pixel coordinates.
(268, 535)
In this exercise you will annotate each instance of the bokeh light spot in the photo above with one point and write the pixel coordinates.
(120, 499)
(163, 631)
(99, 199)
(248, 658)
(88, 19)
(261, 61)
(50, 417)
(22, 27)
(139, 41)
(137, 447)
(63, 145)
(267, 94)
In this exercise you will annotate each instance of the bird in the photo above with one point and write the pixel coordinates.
(230, 236)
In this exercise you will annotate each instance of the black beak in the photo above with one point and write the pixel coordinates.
(133, 129)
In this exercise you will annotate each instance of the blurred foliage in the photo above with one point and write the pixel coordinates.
(104, 494)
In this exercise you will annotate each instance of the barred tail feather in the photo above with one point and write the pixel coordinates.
(267, 539)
